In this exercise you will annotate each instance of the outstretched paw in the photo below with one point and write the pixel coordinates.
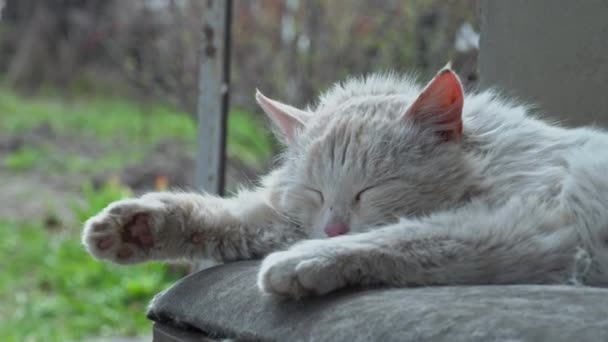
(310, 268)
(125, 232)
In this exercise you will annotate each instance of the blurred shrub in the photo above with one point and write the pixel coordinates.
(291, 49)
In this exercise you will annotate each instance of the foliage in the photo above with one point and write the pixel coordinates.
(248, 140)
(290, 49)
(101, 118)
(96, 200)
(22, 159)
(52, 290)
(106, 122)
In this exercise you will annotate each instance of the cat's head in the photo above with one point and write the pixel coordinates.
(365, 157)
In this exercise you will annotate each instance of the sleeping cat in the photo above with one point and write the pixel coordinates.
(385, 183)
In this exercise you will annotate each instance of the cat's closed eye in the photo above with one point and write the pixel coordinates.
(362, 192)
(316, 193)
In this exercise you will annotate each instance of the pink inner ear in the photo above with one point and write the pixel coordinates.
(288, 119)
(440, 104)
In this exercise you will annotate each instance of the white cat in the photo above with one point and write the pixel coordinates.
(414, 187)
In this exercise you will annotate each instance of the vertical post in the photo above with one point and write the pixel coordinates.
(213, 98)
(548, 52)
(214, 77)
(213, 84)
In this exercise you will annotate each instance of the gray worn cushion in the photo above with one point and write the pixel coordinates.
(224, 302)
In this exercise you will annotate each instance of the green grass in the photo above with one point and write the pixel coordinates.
(248, 139)
(23, 159)
(111, 121)
(52, 290)
(52, 159)
(100, 118)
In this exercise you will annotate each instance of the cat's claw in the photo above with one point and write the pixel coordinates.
(304, 270)
(125, 231)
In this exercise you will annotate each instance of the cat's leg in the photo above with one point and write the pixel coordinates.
(586, 198)
(521, 242)
(165, 226)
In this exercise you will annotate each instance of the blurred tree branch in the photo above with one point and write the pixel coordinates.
(291, 49)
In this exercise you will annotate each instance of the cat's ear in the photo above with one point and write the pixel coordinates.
(286, 118)
(439, 105)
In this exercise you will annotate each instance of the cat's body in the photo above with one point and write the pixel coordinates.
(411, 191)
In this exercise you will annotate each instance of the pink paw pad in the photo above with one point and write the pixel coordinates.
(141, 230)
(138, 232)
(105, 243)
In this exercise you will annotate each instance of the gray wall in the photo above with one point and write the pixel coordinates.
(550, 52)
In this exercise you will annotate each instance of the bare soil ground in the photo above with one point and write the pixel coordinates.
(44, 193)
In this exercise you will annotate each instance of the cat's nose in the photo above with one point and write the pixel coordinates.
(335, 229)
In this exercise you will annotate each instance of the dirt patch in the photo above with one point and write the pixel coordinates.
(39, 193)
(30, 196)
(171, 162)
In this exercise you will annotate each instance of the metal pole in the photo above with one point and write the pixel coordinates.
(213, 100)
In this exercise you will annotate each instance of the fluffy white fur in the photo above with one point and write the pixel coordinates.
(512, 199)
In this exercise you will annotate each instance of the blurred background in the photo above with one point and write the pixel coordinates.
(98, 101)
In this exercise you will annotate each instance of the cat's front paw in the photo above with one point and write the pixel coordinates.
(125, 232)
(310, 268)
